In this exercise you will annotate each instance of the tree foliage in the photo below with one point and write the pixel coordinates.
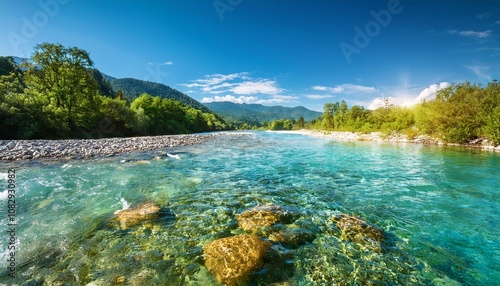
(460, 113)
(59, 94)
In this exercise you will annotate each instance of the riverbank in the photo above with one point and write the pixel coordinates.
(11, 150)
(398, 138)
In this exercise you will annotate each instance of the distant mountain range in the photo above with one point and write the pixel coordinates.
(256, 114)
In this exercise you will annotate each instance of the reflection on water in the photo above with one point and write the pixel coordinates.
(437, 208)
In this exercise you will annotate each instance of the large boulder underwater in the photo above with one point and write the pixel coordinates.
(233, 259)
(140, 214)
(359, 231)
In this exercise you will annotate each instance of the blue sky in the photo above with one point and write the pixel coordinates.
(289, 53)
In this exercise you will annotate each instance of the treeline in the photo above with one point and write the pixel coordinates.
(280, 124)
(460, 113)
(58, 94)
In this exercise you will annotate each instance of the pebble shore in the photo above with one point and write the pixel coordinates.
(15, 150)
(12, 150)
(398, 138)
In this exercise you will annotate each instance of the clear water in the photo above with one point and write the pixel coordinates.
(440, 208)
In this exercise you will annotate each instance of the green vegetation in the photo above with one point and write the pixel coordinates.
(58, 94)
(459, 113)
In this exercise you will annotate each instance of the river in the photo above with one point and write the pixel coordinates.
(438, 206)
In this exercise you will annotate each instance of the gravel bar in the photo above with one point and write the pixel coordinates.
(11, 150)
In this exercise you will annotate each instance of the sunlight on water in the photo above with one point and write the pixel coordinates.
(438, 209)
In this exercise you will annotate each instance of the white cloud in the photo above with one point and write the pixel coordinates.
(250, 99)
(213, 81)
(406, 98)
(317, 96)
(283, 98)
(380, 102)
(230, 98)
(480, 71)
(169, 63)
(240, 88)
(473, 34)
(320, 88)
(430, 92)
(219, 78)
(346, 88)
(257, 87)
(218, 88)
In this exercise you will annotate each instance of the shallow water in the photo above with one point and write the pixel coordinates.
(438, 206)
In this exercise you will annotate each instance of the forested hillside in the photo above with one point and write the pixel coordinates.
(58, 93)
(257, 114)
(132, 88)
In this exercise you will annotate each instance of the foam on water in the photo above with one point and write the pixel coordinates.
(125, 205)
(4, 195)
(175, 156)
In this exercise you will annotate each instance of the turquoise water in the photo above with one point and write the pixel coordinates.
(438, 206)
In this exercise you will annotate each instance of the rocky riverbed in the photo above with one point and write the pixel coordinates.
(11, 150)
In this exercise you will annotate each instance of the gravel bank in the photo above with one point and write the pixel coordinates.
(379, 137)
(11, 150)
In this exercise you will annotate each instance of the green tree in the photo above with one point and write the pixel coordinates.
(340, 115)
(103, 84)
(300, 124)
(7, 65)
(329, 110)
(276, 125)
(491, 112)
(63, 76)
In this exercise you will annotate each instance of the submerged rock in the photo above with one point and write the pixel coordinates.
(359, 231)
(138, 214)
(292, 237)
(233, 259)
(256, 219)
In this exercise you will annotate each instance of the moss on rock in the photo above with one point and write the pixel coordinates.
(359, 231)
(260, 217)
(233, 259)
(138, 214)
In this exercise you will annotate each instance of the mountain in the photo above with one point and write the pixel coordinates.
(132, 88)
(256, 114)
